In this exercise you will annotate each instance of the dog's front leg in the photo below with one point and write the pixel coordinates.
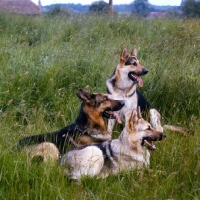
(100, 136)
(155, 119)
(111, 124)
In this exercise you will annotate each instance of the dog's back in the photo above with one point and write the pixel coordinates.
(82, 161)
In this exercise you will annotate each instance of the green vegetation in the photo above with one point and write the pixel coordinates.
(44, 60)
(191, 8)
(99, 7)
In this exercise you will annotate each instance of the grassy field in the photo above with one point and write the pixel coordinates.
(44, 60)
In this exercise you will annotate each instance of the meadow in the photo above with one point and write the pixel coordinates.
(44, 60)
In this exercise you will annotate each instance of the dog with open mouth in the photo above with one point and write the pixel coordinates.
(89, 127)
(122, 85)
(127, 152)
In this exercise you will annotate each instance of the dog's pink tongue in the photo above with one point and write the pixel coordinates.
(117, 117)
(140, 82)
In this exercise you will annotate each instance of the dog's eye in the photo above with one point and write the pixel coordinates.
(134, 64)
(106, 99)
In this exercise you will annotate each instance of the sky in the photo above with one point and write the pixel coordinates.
(154, 2)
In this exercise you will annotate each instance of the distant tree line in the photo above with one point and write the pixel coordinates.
(140, 8)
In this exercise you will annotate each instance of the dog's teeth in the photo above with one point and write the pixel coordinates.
(149, 145)
(145, 141)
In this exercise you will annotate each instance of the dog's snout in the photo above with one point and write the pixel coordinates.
(145, 71)
(162, 136)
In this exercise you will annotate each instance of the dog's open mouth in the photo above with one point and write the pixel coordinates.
(136, 79)
(149, 145)
(148, 141)
(112, 115)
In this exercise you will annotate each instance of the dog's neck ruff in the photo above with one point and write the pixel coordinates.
(108, 153)
(127, 94)
(130, 95)
(122, 89)
(125, 87)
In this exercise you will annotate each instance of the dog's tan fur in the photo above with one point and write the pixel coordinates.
(125, 153)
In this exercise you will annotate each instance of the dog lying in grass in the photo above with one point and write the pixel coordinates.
(89, 127)
(110, 157)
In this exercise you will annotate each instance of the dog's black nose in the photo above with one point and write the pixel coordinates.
(145, 71)
(122, 103)
(164, 135)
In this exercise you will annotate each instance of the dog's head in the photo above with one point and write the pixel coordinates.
(131, 66)
(99, 104)
(140, 132)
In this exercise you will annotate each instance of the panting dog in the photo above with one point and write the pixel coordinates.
(127, 152)
(89, 127)
(123, 85)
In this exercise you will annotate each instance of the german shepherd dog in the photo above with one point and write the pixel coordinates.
(89, 127)
(110, 157)
(123, 85)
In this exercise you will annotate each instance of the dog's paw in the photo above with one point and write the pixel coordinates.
(155, 120)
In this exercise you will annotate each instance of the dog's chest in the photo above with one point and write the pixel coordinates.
(130, 104)
(130, 161)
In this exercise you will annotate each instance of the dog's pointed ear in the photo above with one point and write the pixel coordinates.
(134, 116)
(123, 55)
(83, 94)
(132, 119)
(134, 52)
(86, 96)
(139, 113)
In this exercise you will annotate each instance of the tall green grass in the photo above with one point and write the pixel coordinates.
(43, 61)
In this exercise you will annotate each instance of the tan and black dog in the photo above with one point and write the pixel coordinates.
(110, 157)
(89, 127)
(123, 85)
